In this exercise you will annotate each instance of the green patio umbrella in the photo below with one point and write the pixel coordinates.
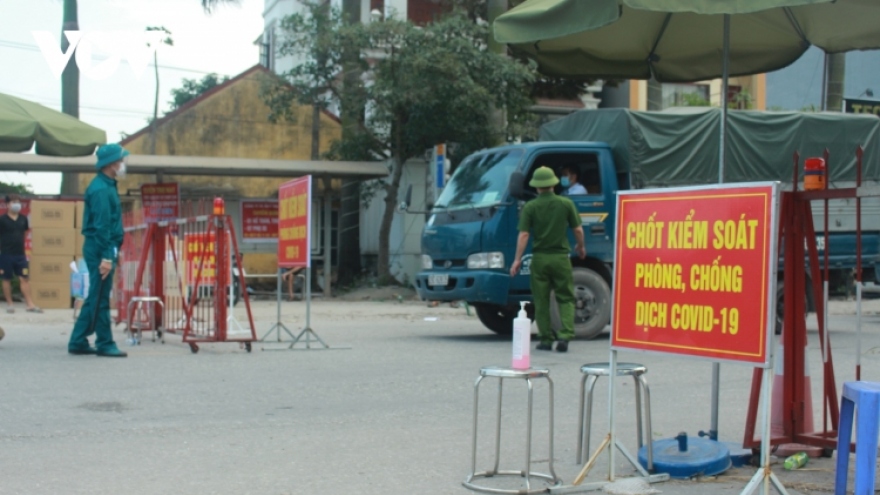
(683, 40)
(23, 123)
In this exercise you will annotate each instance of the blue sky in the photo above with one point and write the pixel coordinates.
(220, 42)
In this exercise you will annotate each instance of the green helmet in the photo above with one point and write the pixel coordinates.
(544, 177)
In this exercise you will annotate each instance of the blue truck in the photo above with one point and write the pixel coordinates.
(469, 239)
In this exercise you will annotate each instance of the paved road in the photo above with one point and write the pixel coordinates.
(391, 415)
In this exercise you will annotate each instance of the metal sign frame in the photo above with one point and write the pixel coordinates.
(763, 476)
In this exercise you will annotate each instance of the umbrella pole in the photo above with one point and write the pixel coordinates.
(724, 88)
(716, 367)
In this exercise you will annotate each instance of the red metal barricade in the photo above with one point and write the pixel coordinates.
(177, 277)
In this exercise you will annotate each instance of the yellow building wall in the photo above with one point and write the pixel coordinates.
(232, 122)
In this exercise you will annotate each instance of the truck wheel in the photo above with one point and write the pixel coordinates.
(496, 318)
(592, 309)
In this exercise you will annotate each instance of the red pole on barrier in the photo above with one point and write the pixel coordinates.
(157, 246)
(222, 281)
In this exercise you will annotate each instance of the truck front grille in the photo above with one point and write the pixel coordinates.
(452, 263)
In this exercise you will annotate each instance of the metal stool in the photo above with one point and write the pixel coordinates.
(591, 373)
(501, 374)
(137, 302)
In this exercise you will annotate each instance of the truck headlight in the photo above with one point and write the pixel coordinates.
(427, 262)
(485, 260)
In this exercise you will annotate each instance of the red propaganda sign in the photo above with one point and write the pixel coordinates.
(259, 221)
(161, 202)
(294, 219)
(201, 262)
(693, 271)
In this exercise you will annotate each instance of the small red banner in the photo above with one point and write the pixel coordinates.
(294, 220)
(161, 202)
(259, 221)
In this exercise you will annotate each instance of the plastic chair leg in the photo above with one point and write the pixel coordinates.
(844, 436)
(866, 443)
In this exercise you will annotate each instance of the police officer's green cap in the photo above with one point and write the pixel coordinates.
(544, 177)
(110, 153)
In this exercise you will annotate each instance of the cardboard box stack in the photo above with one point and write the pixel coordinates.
(54, 240)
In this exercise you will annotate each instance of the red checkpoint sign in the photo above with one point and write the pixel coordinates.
(693, 272)
(259, 220)
(294, 220)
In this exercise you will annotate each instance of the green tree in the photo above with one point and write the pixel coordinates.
(697, 100)
(210, 5)
(421, 86)
(192, 88)
(12, 187)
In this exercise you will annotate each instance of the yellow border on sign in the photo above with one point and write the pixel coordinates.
(765, 246)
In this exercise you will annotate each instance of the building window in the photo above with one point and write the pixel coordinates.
(685, 95)
(267, 48)
(422, 12)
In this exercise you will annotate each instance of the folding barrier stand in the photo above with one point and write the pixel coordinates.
(796, 234)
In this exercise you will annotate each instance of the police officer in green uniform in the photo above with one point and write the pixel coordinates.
(102, 228)
(548, 217)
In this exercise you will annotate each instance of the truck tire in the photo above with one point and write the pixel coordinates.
(496, 318)
(592, 310)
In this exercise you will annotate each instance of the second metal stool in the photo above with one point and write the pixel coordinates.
(501, 374)
(591, 373)
(135, 327)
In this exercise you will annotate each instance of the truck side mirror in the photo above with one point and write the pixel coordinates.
(517, 186)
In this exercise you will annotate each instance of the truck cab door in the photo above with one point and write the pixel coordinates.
(595, 202)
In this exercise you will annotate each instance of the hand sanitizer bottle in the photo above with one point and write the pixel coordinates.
(522, 338)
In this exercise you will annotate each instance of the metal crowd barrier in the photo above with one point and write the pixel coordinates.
(177, 277)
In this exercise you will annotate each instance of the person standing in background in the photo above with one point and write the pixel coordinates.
(13, 260)
(547, 219)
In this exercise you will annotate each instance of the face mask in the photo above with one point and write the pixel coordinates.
(565, 182)
(121, 172)
(15, 207)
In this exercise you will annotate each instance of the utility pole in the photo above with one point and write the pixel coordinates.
(155, 122)
(69, 88)
(349, 248)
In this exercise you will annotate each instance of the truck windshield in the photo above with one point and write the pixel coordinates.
(480, 181)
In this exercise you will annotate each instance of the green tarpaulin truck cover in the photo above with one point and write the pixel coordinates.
(679, 146)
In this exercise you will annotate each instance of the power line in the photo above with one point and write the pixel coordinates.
(49, 101)
(24, 46)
